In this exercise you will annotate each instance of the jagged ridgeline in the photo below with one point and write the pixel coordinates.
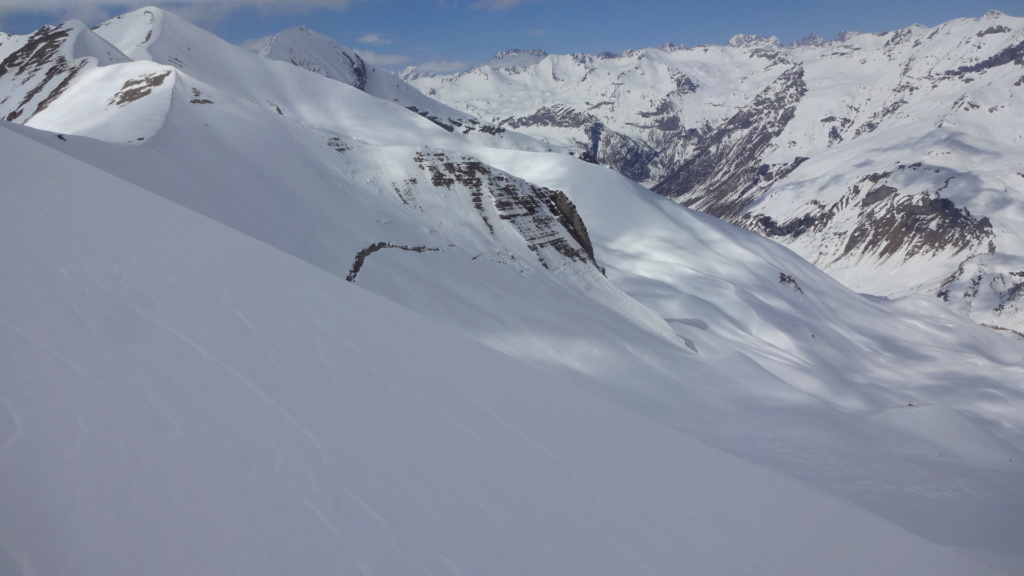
(889, 160)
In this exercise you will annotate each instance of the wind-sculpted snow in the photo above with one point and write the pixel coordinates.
(699, 329)
(729, 131)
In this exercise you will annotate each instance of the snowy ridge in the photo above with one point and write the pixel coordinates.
(803, 144)
(322, 55)
(68, 79)
(589, 287)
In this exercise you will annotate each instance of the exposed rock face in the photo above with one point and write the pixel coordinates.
(545, 218)
(141, 87)
(361, 256)
(565, 212)
(559, 116)
(42, 70)
(882, 223)
(1010, 55)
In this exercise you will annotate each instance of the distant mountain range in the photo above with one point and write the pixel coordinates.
(284, 313)
(891, 161)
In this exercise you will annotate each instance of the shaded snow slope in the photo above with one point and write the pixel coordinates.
(181, 398)
(889, 160)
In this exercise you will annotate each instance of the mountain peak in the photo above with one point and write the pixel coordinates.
(135, 32)
(812, 39)
(741, 40)
(39, 68)
(147, 17)
(515, 57)
(317, 53)
(517, 51)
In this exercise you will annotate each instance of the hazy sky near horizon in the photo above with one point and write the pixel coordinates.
(444, 35)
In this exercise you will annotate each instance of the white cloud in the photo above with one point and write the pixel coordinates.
(382, 59)
(373, 39)
(441, 66)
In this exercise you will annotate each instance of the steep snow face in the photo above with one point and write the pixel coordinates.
(709, 330)
(888, 160)
(134, 33)
(180, 398)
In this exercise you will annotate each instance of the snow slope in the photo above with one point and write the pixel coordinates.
(865, 397)
(181, 398)
(700, 327)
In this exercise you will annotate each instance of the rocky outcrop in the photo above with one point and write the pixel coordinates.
(879, 221)
(545, 218)
(361, 256)
(42, 70)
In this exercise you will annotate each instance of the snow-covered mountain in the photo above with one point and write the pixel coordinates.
(322, 55)
(891, 161)
(526, 396)
(181, 398)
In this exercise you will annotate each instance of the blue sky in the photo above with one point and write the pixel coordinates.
(450, 34)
